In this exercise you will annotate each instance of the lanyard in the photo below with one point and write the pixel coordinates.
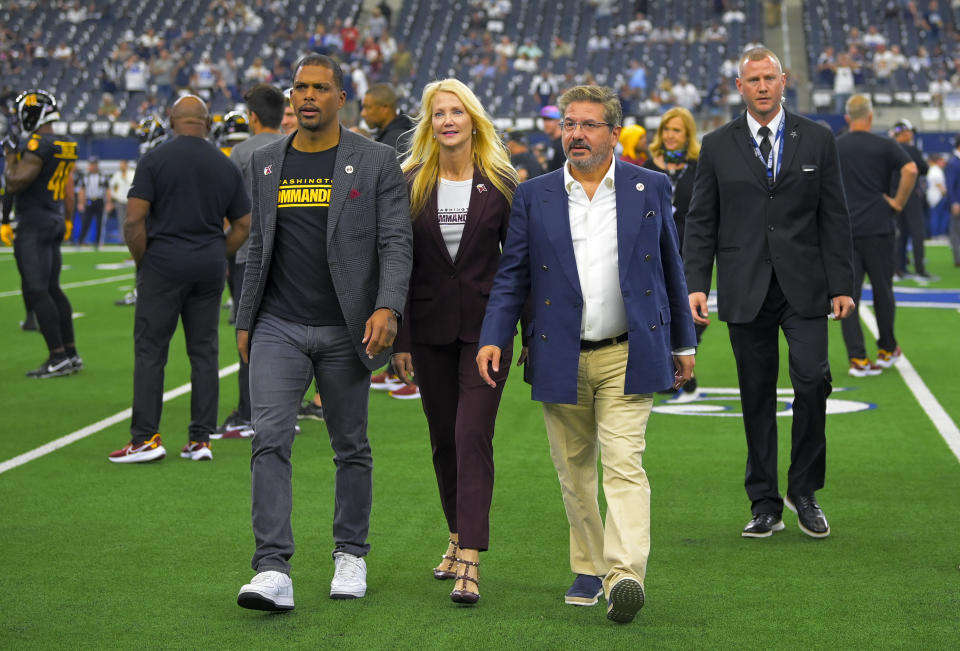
(769, 162)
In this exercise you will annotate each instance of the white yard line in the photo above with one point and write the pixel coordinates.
(934, 410)
(118, 417)
(84, 283)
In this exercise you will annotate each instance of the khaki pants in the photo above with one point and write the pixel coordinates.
(604, 420)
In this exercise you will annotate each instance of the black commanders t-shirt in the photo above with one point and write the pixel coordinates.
(299, 287)
(41, 203)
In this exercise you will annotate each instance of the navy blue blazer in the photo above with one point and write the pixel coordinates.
(538, 260)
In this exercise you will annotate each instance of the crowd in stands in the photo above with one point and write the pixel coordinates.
(146, 69)
(152, 62)
(893, 46)
(517, 69)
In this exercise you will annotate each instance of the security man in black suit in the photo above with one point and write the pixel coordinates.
(768, 203)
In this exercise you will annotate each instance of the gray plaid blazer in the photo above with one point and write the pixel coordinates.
(369, 241)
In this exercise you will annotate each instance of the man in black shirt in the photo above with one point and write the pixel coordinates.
(40, 175)
(911, 221)
(521, 157)
(265, 104)
(326, 279)
(868, 161)
(379, 111)
(181, 193)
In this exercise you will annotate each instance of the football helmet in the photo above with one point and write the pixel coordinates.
(150, 132)
(234, 128)
(35, 108)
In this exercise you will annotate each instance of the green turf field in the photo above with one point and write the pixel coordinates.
(152, 556)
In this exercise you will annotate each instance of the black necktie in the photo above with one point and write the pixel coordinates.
(764, 143)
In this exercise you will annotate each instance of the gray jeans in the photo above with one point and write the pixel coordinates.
(284, 358)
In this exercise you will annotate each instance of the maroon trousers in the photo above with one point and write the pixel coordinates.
(461, 411)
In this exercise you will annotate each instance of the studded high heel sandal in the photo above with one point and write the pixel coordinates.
(465, 596)
(448, 566)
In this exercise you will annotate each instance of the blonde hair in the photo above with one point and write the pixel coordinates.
(689, 125)
(859, 107)
(758, 53)
(490, 155)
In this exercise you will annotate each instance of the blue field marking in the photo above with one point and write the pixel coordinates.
(725, 402)
(919, 297)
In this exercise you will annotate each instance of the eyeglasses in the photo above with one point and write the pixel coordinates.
(590, 127)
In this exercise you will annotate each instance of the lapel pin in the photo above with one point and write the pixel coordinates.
(348, 169)
(639, 187)
(793, 134)
(481, 187)
(268, 170)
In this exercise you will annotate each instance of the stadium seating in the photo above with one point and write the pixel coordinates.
(434, 31)
(827, 23)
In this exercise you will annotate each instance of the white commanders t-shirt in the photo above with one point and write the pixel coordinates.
(453, 200)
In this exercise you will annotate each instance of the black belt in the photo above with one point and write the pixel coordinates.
(593, 345)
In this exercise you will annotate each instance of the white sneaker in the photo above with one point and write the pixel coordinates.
(350, 578)
(197, 451)
(385, 382)
(269, 590)
(150, 450)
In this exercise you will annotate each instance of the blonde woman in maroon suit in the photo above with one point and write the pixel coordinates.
(461, 186)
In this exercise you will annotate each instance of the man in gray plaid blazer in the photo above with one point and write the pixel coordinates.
(326, 280)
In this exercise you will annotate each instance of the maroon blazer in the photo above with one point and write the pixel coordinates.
(447, 298)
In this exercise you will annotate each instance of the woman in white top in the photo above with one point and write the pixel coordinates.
(461, 185)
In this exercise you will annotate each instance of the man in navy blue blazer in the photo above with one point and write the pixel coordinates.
(595, 248)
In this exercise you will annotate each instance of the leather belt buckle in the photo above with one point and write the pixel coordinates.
(586, 344)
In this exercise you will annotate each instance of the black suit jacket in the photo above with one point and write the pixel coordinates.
(798, 229)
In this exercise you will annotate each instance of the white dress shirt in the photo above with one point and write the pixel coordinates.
(754, 127)
(593, 225)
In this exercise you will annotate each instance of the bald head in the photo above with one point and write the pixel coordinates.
(189, 117)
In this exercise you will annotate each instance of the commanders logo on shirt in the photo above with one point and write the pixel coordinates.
(302, 193)
(452, 216)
